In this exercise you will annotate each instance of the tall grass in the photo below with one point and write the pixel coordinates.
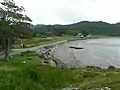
(15, 75)
(35, 78)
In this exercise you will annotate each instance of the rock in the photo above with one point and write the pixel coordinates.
(104, 74)
(24, 62)
(69, 88)
(103, 88)
(53, 64)
(46, 61)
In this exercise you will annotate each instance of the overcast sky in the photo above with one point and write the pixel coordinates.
(71, 11)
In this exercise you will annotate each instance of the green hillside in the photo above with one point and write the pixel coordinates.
(99, 28)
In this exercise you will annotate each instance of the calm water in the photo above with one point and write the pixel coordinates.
(99, 52)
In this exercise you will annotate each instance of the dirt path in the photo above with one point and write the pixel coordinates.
(18, 51)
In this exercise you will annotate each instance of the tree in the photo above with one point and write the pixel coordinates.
(12, 21)
(85, 33)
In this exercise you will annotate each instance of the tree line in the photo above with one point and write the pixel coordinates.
(95, 28)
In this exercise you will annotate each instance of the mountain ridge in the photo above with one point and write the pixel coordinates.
(93, 27)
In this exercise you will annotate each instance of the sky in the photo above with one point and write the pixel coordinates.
(71, 11)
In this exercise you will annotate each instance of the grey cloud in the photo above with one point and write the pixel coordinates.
(69, 11)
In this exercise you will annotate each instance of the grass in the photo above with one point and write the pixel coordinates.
(16, 75)
(41, 41)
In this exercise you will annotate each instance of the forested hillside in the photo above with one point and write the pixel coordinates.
(99, 28)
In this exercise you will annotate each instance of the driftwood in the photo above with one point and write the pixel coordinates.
(76, 47)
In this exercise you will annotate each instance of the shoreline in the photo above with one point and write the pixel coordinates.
(93, 53)
(62, 54)
(66, 55)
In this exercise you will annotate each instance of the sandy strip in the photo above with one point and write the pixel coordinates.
(66, 54)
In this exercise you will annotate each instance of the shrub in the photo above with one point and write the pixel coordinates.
(93, 67)
(111, 67)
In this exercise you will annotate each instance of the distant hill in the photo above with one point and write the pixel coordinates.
(99, 28)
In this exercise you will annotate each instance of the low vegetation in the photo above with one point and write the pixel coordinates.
(41, 41)
(26, 73)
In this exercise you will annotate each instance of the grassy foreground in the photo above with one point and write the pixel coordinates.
(16, 75)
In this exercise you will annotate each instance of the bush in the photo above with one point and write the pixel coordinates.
(89, 74)
(111, 67)
(93, 67)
